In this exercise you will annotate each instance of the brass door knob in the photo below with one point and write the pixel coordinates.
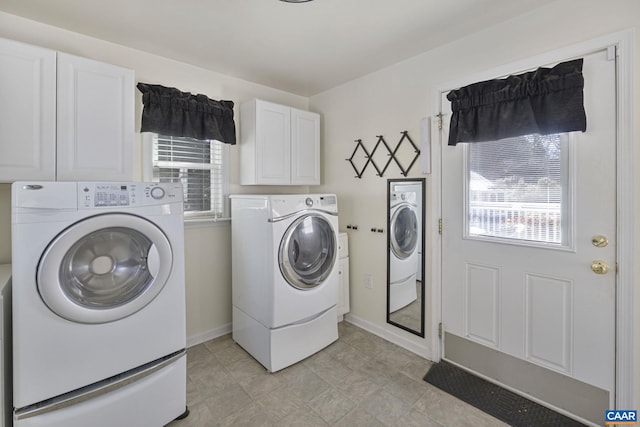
(599, 241)
(600, 267)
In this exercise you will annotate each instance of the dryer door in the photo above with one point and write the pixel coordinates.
(404, 231)
(307, 251)
(104, 268)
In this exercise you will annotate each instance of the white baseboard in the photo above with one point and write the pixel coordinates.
(399, 340)
(208, 335)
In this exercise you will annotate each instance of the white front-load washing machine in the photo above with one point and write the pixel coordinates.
(285, 275)
(98, 304)
(404, 239)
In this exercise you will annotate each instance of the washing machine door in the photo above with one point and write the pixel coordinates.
(307, 251)
(404, 231)
(104, 268)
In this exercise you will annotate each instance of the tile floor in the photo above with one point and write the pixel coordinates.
(360, 380)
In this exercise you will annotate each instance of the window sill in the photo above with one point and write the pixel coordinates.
(206, 222)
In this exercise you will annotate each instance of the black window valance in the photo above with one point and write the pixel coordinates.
(168, 111)
(544, 101)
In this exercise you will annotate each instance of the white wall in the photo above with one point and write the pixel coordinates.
(394, 99)
(208, 257)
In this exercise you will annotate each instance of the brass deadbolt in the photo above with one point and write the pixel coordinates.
(599, 241)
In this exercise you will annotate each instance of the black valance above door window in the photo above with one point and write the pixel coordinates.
(544, 101)
(168, 111)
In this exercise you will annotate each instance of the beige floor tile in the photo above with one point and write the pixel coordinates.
(416, 368)
(227, 402)
(282, 402)
(417, 419)
(211, 380)
(261, 384)
(330, 370)
(309, 419)
(376, 371)
(358, 417)
(359, 380)
(332, 405)
(385, 407)
(253, 415)
(404, 388)
(306, 384)
(358, 386)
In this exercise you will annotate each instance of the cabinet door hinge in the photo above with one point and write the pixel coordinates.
(440, 330)
(440, 226)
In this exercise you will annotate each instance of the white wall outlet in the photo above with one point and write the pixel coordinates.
(368, 281)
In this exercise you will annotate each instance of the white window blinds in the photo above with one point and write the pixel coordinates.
(201, 168)
(518, 188)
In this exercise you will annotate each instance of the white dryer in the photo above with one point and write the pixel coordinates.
(98, 304)
(285, 275)
(404, 239)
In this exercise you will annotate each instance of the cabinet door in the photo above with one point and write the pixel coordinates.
(95, 120)
(27, 112)
(273, 144)
(305, 147)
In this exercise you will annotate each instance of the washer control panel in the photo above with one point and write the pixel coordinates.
(115, 194)
(108, 195)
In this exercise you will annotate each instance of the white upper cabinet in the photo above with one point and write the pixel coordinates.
(27, 112)
(279, 145)
(63, 117)
(305, 147)
(95, 120)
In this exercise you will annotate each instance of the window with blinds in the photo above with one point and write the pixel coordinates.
(518, 189)
(201, 168)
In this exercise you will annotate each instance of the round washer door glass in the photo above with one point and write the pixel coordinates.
(104, 268)
(404, 231)
(307, 252)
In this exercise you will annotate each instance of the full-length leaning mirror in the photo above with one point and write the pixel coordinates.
(405, 259)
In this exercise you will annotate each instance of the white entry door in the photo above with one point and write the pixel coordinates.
(529, 255)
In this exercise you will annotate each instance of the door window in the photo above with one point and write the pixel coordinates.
(518, 190)
(307, 252)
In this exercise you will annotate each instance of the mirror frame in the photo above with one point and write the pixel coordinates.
(390, 182)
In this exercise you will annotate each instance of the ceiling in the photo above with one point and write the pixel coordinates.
(303, 48)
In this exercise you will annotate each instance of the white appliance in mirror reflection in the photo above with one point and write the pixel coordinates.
(404, 232)
(405, 289)
(416, 188)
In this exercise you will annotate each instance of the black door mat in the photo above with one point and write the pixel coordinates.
(505, 405)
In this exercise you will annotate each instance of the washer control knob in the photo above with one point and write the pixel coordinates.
(309, 201)
(157, 193)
